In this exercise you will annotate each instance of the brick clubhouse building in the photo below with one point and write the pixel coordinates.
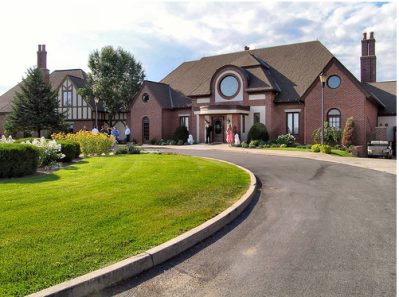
(278, 86)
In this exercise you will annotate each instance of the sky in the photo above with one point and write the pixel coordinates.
(163, 35)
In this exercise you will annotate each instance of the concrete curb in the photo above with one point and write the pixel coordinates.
(107, 276)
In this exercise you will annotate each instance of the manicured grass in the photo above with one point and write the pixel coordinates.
(101, 210)
(334, 152)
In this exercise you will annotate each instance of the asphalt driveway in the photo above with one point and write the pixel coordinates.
(316, 228)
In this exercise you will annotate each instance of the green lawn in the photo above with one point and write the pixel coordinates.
(104, 209)
(334, 152)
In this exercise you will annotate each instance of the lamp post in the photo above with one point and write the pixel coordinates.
(323, 83)
(96, 101)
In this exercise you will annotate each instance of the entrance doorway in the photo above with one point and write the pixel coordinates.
(218, 130)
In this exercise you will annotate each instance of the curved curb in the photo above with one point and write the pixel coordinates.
(107, 276)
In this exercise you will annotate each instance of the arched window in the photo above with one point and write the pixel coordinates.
(146, 128)
(334, 118)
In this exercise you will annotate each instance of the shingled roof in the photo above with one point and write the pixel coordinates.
(77, 76)
(291, 69)
(167, 97)
(386, 93)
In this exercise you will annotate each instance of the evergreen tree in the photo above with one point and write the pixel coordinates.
(115, 78)
(349, 137)
(35, 107)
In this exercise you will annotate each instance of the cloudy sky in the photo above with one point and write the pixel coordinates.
(162, 35)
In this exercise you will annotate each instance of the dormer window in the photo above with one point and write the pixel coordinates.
(229, 86)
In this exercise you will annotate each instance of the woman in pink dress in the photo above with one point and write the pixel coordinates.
(229, 133)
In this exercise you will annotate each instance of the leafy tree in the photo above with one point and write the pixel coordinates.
(115, 78)
(349, 137)
(35, 108)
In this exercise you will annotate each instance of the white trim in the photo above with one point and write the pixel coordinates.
(240, 94)
(221, 111)
(292, 110)
(204, 100)
(197, 124)
(257, 97)
(184, 115)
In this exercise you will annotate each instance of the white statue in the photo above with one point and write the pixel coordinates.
(237, 139)
(190, 139)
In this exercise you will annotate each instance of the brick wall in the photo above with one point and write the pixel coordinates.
(380, 134)
(347, 98)
(150, 109)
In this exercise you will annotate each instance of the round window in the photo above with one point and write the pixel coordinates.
(146, 97)
(229, 86)
(334, 82)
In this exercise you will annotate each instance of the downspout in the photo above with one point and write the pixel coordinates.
(170, 97)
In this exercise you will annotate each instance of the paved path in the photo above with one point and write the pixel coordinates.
(316, 228)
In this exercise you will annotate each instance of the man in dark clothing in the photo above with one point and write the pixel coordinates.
(208, 130)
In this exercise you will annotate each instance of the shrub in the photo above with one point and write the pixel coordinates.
(262, 143)
(70, 148)
(325, 149)
(315, 148)
(172, 142)
(181, 133)
(153, 141)
(3, 139)
(283, 145)
(122, 151)
(134, 150)
(349, 136)
(252, 144)
(49, 151)
(180, 142)
(332, 135)
(90, 144)
(237, 145)
(18, 159)
(286, 139)
(24, 140)
(244, 144)
(259, 132)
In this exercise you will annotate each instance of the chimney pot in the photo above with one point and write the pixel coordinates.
(44, 47)
(371, 35)
(246, 48)
(364, 35)
(40, 48)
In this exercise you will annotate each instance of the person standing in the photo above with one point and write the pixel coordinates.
(95, 130)
(208, 130)
(127, 133)
(229, 133)
(115, 133)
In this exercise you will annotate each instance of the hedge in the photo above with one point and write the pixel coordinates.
(70, 148)
(18, 159)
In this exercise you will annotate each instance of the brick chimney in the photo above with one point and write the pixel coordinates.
(42, 61)
(368, 60)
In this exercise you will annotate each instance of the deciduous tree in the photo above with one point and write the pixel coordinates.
(115, 78)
